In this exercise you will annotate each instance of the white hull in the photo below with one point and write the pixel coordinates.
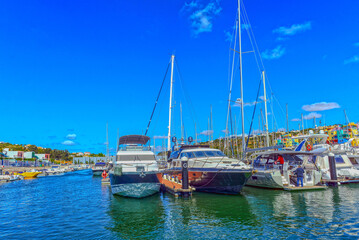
(266, 179)
(135, 190)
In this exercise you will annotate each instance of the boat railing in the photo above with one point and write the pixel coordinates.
(267, 166)
(205, 161)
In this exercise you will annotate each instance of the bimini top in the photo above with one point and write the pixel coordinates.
(133, 139)
(281, 152)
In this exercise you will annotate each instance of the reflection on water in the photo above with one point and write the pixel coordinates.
(132, 218)
(79, 207)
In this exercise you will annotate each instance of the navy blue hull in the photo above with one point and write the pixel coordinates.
(223, 182)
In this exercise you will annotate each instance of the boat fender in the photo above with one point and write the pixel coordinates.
(254, 171)
(104, 174)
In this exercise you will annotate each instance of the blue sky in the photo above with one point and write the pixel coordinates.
(68, 67)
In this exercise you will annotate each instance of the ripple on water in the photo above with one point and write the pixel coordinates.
(79, 207)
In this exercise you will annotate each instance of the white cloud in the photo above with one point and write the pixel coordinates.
(280, 39)
(160, 137)
(71, 136)
(202, 16)
(228, 35)
(68, 143)
(206, 132)
(294, 29)
(353, 59)
(224, 131)
(356, 44)
(274, 53)
(312, 115)
(281, 130)
(296, 120)
(245, 26)
(248, 104)
(322, 106)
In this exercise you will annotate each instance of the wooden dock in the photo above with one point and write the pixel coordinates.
(174, 186)
(304, 188)
(105, 181)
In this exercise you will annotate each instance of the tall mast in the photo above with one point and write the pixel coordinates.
(195, 131)
(240, 73)
(170, 107)
(211, 125)
(302, 124)
(117, 140)
(287, 118)
(265, 108)
(107, 148)
(182, 128)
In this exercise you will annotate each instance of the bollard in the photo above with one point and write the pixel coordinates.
(333, 170)
(184, 165)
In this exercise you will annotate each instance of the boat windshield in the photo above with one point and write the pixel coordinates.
(202, 154)
(266, 160)
(339, 159)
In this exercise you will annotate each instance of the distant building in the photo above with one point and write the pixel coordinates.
(29, 155)
(43, 156)
(79, 154)
(87, 153)
(13, 154)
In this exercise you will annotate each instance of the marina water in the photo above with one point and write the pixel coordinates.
(77, 206)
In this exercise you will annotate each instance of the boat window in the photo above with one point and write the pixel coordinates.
(127, 158)
(219, 153)
(174, 155)
(140, 168)
(210, 153)
(339, 159)
(146, 157)
(200, 154)
(188, 155)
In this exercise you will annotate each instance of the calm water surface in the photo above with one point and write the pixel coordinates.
(79, 207)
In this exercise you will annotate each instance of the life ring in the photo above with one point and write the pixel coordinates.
(309, 147)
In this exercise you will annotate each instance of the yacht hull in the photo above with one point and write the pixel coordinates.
(135, 185)
(220, 181)
(266, 180)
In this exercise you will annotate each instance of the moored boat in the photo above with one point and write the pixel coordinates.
(135, 169)
(98, 169)
(270, 173)
(209, 170)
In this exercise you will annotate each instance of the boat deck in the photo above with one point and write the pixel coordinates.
(305, 188)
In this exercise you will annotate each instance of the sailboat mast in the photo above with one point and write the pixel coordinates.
(211, 125)
(107, 148)
(287, 118)
(170, 107)
(241, 78)
(182, 129)
(265, 108)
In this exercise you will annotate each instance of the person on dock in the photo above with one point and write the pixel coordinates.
(300, 174)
